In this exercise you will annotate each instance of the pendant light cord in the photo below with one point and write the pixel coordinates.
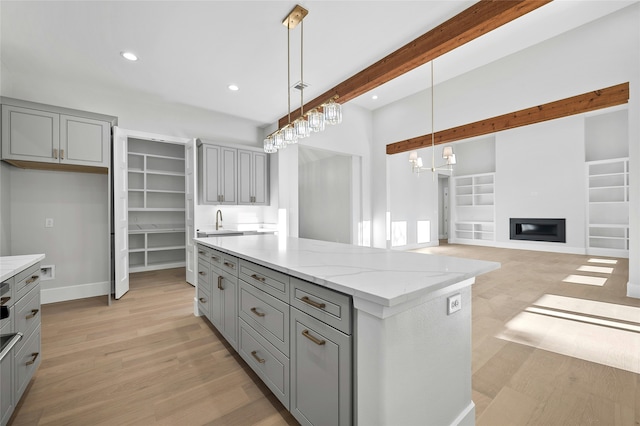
(433, 151)
(301, 69)
(289, 72)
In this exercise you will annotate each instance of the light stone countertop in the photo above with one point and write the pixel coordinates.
(383, 277)
(11, 265)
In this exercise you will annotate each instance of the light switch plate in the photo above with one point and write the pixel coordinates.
(48, 222)
(454, 303)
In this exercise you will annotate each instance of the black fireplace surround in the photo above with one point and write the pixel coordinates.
(550, 230)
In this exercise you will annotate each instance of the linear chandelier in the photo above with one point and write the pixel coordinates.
(309, 122)
(447, 151)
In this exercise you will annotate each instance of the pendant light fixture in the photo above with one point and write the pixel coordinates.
(309, 122)
(447, 151)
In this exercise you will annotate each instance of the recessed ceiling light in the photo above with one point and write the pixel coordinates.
(129, 55)
(233, 87)
(374, 97)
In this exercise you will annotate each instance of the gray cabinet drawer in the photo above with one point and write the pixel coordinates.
(204, 272)
(204, 253)
(266, 314)
(273, 282)
(204, 299)
(28, 311)
(27, 361)
(26, 280)
(224, 261)
(268, 362)
(322, 303)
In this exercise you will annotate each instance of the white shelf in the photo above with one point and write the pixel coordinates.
(157, 236)
(608, 207)
(474, 208)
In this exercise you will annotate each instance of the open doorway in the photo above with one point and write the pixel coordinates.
(443, 207)
(325, 195)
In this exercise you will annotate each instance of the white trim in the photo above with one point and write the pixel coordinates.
(633, 290)
(466, 416)
(72, 292)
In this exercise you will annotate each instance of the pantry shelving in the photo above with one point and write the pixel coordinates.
(474, 208)
(156, 195)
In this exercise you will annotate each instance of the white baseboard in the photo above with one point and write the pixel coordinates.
(467, 417)
(633, 290)
(72, 292)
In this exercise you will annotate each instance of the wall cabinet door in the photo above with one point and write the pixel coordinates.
(252, 178)
(47, 137)
(84, 141)
(320, 372)
(30, 135)
(217, 174)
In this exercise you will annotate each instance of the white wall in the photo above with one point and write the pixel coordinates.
(540, 173)
(77, 244)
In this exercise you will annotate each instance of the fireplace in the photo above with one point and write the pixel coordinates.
(550, 230)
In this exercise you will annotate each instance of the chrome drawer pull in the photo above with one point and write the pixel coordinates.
(202, 300)
(62, 154)
(34, 356)
(220, 278)
(215, 258)
(255, 311)
(200, 252)
(308, 301)
(33, 313)
(257, 358)
(315, 340)
(32, 279)
(55, 153)
(229, 265)
(4, 300)
(257, 278)
(202, 273)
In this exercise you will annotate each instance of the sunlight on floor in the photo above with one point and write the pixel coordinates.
(606, 261)
(599, 332)
(584, 279)
(597, 269)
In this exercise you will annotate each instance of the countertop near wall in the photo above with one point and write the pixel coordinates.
(11, 265)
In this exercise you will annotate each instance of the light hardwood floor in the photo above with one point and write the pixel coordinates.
(148, 360)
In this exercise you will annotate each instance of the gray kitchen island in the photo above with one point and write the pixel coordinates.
(345, 334)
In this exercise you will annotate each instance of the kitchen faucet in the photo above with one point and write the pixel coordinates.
(220, 225)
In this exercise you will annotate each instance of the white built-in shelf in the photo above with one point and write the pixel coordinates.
(608, 207)
(474, 208)
(157, 235)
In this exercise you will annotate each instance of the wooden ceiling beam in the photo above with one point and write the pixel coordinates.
(590, 101)
(471, 23)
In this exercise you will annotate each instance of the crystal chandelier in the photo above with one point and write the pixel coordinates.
(309, 122)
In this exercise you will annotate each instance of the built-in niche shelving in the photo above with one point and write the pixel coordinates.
(156, 192)
(608, 207)
(474, 207)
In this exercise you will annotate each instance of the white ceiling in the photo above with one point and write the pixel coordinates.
(190, 51)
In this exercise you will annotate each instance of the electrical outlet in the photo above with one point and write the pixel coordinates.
(454, 303)
(48, 222)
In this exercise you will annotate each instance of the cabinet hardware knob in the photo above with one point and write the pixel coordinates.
(257, 278)
(255, 311)
(202, 273)
(32, 279)
(62, 154)
(315, 340)
(220, 278)
(4, 300)
(34, 356)
(257, 358)
(202, 300)
(55, 153)
(33, 313)
(313, 303)
(229, 265)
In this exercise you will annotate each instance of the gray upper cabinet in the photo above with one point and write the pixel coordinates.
(217, 165)
(253, 178)
(46, 136)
